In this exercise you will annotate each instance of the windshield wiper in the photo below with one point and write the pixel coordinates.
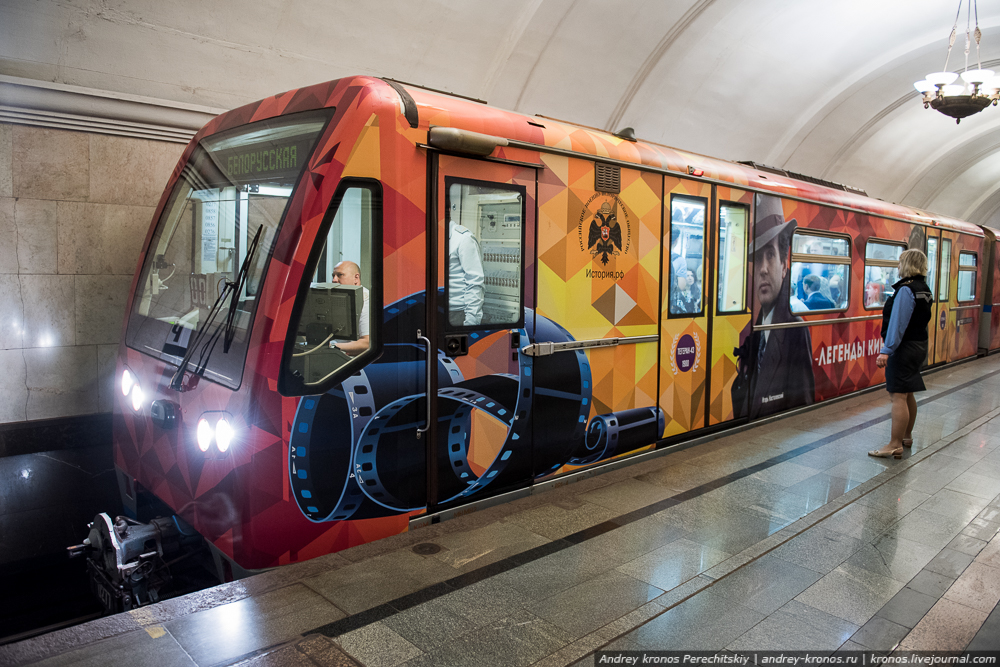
(241, 281)
(232, 290)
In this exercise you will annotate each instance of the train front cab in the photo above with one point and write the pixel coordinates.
(621, 307)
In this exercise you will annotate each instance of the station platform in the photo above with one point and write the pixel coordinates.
(780, 536)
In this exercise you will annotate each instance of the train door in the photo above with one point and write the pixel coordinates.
(946, 299)
(726, 298)
(479, 440)
(933, 271)
(685, 304)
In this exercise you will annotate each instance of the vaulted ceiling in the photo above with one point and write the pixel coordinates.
(822, 88)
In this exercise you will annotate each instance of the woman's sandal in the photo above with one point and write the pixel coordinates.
(907, 442)
(892, 453)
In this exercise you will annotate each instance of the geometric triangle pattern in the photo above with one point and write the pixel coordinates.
(602, 283)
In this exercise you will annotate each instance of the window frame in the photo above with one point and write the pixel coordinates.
(942, 276)
(932, 266)
(974, 270)
(746, 256)
(447, 326)
(806, 258)
(666, 259)
(375, 305)
(882, 263)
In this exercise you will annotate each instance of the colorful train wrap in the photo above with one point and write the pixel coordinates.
(364, 302)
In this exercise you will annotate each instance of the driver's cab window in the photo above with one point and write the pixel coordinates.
(334, 325)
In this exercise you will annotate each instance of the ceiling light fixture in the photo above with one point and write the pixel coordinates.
(980, 87)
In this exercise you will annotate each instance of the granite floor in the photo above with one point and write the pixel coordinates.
(781, 536)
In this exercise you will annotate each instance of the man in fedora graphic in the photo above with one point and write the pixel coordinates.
(776, 367)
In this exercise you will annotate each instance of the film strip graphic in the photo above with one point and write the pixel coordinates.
(456, 407)
(356, 392)
(354, 452)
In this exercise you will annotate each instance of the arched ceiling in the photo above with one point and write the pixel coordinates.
(822, 88)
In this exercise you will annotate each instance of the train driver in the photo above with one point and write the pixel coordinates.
(465, 272)
(349, 273)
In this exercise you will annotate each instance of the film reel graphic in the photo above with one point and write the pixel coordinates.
(346, 410)
(354, 454)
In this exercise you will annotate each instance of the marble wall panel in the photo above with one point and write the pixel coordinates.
(50, 164)
(101, 239)
(10, 314)
(74, 210)
(8, 236)
(36, 236)
(100, 308)
(107, 358)
(49, 310)
(13, 389)
(130, 171)
(61, 381)
(6, 161)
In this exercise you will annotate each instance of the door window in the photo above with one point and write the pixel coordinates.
(687, 245)
(485, 256)
(944, 289)
(932, 251)
(331, 322)
(732, 257)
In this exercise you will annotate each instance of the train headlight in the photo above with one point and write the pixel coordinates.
(217, 427)
(223, 435)
(137, 397)
(204, 434)
(127, 381)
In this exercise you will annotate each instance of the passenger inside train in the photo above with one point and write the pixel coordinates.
(815, 299)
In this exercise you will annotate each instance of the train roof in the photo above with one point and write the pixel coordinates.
(427, 108)
(437, 108)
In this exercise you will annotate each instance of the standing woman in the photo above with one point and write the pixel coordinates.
(904, 348)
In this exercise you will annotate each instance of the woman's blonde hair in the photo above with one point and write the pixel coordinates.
(912, 263)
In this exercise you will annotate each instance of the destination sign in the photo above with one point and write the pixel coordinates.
(265, 162)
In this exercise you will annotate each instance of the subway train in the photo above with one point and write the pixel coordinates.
(364, 305)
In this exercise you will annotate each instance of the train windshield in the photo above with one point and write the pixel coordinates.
(217, 229)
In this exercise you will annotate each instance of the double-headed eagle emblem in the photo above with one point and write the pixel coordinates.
(605, 233)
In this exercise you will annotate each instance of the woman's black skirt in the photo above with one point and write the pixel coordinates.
(902, 373)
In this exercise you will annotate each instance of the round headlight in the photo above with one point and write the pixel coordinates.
(223, 435)
(137, 397)
(127, 382)
(204, 434)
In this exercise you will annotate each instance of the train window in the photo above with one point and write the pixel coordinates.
(331, 323)
(222, 217)
(805, 243)
(732, 257)
(944, 288)
(687, 242)
(881, 271)
(484, 253)
(932, 247)
(821, 270)
(966, 276)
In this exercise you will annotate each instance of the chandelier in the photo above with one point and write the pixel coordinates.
(979, 87)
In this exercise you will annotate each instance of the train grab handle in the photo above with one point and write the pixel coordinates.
(427, 385)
